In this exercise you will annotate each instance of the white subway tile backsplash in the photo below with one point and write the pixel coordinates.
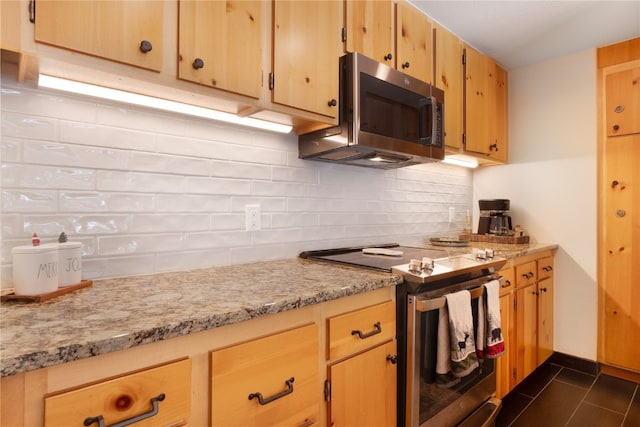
(16, 175)
(29, 126)
(105, 202)
(28, 201)
(106, 136)
(140, 182)
(157, 223)
(148, 191)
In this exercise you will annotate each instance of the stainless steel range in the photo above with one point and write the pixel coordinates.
(429, 275)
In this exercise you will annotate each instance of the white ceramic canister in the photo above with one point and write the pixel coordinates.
(69, 263)
(35, 269)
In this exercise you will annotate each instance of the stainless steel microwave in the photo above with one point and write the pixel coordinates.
(387, 119)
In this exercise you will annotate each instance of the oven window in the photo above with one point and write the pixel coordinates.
(435, 397)
(392, 111)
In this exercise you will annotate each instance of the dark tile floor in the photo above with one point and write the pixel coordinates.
(555, 395)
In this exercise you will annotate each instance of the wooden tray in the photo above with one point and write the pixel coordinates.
(47, 296)
(492, 238)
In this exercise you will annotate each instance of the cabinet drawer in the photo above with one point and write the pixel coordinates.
(361, 329)
(162, 393)
(526, 274)
(545, 267)
(268, 381)
(508, 282)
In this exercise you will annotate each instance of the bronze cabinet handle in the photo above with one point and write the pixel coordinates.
(264, 401)
(154, 411)
(376, 331)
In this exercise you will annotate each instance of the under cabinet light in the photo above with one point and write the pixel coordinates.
(73, 86)
(461, 160)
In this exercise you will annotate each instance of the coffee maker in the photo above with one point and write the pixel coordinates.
(494, 217)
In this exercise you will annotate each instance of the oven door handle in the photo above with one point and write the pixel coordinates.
(423, 305)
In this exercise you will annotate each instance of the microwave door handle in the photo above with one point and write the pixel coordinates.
(422, 105)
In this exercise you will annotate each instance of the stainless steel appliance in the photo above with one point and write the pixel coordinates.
(469, 402)
(494, 217)
(387, 119)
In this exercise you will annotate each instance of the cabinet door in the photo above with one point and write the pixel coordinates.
(448, 77)
(306, 51)
(623, 102)
(526, 331)
(220, 44)
(478, 100)
(123, 31)
(414, 42)
(282, 368)
(166, 388)
(370, 30)
(360, 329)
(545, 319)
(363, 389)
(504, 369)
(498, 146)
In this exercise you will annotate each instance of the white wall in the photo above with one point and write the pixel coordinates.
(551, 182)
(147, 191)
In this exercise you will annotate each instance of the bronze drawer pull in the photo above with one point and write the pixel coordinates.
(528, 275)
(376, 331)
(156, 408)
(264, 401)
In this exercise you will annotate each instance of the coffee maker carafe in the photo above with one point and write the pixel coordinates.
(494, 217)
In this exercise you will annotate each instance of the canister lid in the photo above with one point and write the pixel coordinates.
(40, 249)
(70, 245)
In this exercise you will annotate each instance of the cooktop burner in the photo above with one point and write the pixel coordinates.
(410, 262)
(358, 256)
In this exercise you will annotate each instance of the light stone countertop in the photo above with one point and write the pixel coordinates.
(120, 313)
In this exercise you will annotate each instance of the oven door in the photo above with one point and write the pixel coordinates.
(431, 404)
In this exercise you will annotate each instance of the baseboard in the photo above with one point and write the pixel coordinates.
(621, 373)
(576, 363)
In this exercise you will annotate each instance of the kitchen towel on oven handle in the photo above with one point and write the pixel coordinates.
(462, 341)
(494, 339)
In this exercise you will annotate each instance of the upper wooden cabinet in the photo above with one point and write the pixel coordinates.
(220, 44)
(485, 106)
(369, 29)
(413, 42)
(623, 102)
(306, 51)
(448, 77)
(123, 31)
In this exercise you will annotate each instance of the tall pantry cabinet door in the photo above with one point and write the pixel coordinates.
(220, 44)
(363, 389)
(123, 31)
(621, 297)
(414, 42)
(623, 102)
(448, 77)
(307, 45)
(369, 27)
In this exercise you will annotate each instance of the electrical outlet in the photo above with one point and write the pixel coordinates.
(252, 216)
(452, 214)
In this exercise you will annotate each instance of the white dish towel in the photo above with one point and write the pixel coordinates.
(462, 341)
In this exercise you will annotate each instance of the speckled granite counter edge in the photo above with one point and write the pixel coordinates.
(31, 360)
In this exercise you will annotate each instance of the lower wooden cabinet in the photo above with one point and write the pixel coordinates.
(271, 381)
(361, 390)
(504, 371)
(526, 309)
(159, 396)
